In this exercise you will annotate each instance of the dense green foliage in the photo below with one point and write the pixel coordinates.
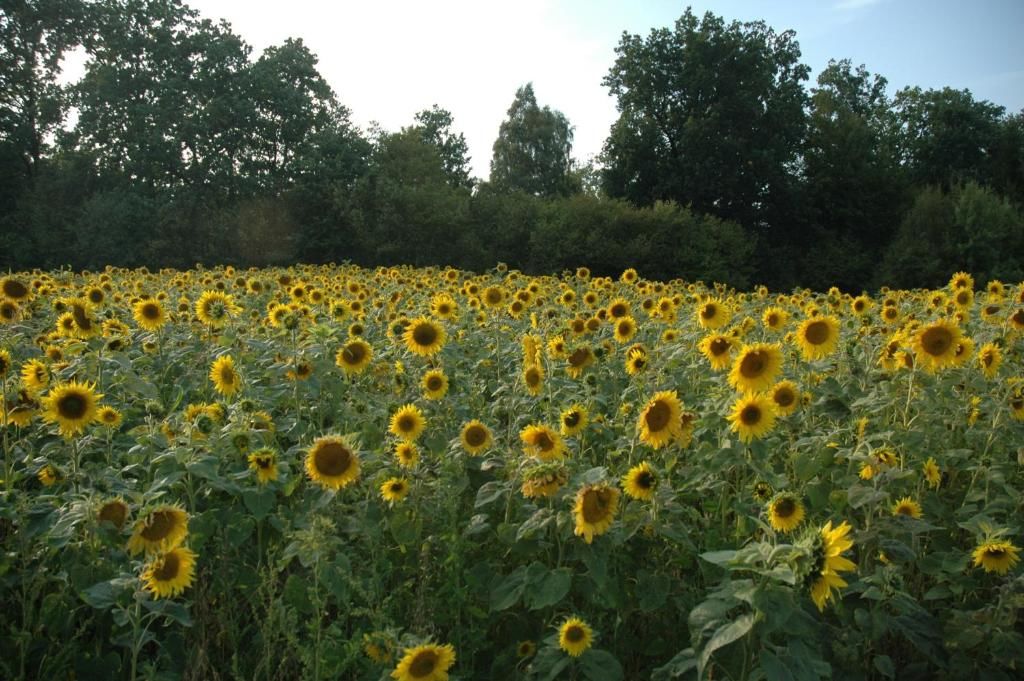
(178, 146)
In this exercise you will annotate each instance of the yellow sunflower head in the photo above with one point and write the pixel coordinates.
(935, 345)
(225, 377)
(434, 384)
(756, 367)
(332, 463)
(427, 662)
(818, 337)
(72, 406)
(542, 442)
(640, 482)
(407, 423)
(595, 510)
(785, 512)
(575, 636)
(162, 529)
(354, 356)
(394, 489)
(170, 573)
(660, 421)
(424, 337)
(475, 437)
(752, 416)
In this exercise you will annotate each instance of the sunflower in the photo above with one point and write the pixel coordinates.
(169, 574)
(5, 362)
(575, 636)
(264, 463)
(661, 420)
(476, 437)
(424, 337)
(332, 463)
(493, 296)
(48, 475)
(996, 556)
(935, 345)
(394, 489)
(71, 405)
(625, 329)
(756, 367)
(113, 511)
(1017, 405)
(932, 473)
(774, 318)
(407, 423)
(636, 361)
(434, 384)
(595, 510)
(908, 507)
(543, 480)
(109, 417)
(163, 529)
(526, 649)
(785, 512)
(961, 280)
(225, 378)
(14, 290)
(618, 308)
(573, 420)
(541, 442)
(214, 308)
(829, 562)
(579, 359)
(713, 314)
(9, 312)
(990, 357)
(354, 356)
(640, 482)
(427, 662)
(717, 348)
(752, 416)
(149, 314)
(407, 454)
(785, 395)
(818, 337)
(81, 312)
(35, 376)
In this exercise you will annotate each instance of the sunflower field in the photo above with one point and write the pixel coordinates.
(329, 472)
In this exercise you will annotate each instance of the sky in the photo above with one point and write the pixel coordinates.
(388, 59)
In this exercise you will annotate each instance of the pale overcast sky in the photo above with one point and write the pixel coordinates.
(388, 59)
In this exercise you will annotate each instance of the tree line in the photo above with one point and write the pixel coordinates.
(179, 146)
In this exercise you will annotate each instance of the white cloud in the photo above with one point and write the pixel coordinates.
(387, 60)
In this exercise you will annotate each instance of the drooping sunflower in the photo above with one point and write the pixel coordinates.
(10, 312)
(427, 662)
(332, 462)
(434, 384)
(578, 360)
(407, 423)
(717, 348)
(995, 555)
(595, 510)
(162, 529)
(575, 636)
(573, 420)
(225, 377)
(170, 573)
(935, 345)
(786, 397)
(756, 367)
(354, 356)
(818, 337)
(424, 337)
(394, 489)
(264, 463)
(476, 437)
(149, 314)
(932, 473)
(908, 507)
(542, 442)
(533, 378)
(829, 562)
(785, 512)
(214, 308)
(752, 416)
(640, 482)
(113, 511)
(5, 362)
(543, 480)
(72, 406)
(660, 421)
